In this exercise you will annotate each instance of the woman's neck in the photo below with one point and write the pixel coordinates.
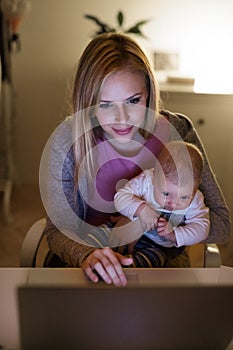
(128, 148)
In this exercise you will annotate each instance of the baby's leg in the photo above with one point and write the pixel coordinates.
(99, 236)
(147, 254)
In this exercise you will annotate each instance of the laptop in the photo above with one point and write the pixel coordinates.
(73, 313)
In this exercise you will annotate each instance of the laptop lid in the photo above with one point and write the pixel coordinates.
(143, 277)
(137, 317)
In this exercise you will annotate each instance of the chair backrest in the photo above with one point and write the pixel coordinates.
(31, 244)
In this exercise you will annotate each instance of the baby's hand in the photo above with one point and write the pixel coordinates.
(165, 229)
(149, 217)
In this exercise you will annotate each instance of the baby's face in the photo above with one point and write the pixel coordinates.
(171, 197)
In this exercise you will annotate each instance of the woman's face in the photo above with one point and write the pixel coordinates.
(122, 105)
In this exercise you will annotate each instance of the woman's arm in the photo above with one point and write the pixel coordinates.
(66, 227)
(95, 262)
(69, 251)
(65, 210)
(220, 227)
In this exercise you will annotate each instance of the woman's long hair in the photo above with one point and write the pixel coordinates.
(104, 55)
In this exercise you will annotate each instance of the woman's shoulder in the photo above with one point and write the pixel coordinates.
(180, 121)
(62, 135)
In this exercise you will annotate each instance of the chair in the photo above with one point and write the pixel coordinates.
(209, 254)
(31, 244)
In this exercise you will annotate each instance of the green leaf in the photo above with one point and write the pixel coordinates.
(104, 27)
(136, 28)
(120, 18)
(94, 19)
(141, 23)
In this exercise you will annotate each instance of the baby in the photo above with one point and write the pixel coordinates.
(167, 201)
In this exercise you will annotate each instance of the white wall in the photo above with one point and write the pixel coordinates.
(53, 37)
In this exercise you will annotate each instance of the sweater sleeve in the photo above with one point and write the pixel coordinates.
(64, 206)
(71, 252)
(220, 223)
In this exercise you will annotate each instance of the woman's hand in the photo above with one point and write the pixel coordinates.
(107, 264)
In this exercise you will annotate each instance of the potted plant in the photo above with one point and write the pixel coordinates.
(120, 19)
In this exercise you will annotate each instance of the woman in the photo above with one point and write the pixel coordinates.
(116, 131)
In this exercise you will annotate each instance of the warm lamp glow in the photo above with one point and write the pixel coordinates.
(213, 56)
(205, 46)
(221, 83)
(214, 71)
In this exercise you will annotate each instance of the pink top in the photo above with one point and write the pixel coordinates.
(114, 170)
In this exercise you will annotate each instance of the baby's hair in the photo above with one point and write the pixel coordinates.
(181, 162)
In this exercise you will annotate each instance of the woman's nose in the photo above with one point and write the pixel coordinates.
(121, 113)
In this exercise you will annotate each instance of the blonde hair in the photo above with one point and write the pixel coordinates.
(181, 163)
(105, 54)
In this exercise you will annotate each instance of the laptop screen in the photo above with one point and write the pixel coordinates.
(136, 317)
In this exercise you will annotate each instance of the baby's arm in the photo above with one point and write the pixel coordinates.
(148, 216)
(197, 223)
(130, 201)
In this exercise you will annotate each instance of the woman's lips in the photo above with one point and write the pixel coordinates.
(124, 131)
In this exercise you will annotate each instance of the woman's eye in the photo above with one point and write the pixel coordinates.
(134, 100)
(105, 105)
(184, 197)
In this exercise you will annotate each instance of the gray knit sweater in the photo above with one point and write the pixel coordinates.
(73, 253)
